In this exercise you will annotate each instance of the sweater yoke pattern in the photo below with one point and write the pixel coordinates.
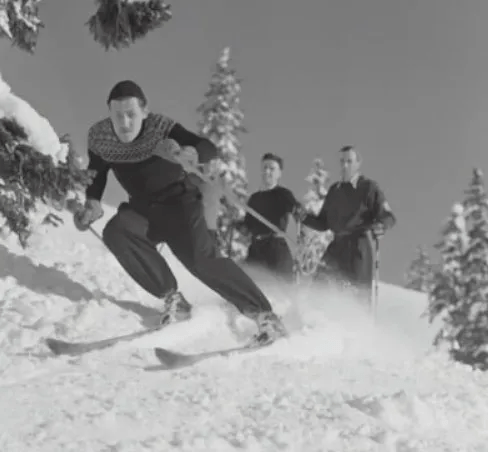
(103, 141)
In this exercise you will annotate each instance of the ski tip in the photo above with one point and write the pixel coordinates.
(166, 357)
(56, 346)
(53, 345)
(170, 359)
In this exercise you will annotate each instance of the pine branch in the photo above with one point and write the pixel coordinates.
(119, 23)
(28, 177)
(20, 22)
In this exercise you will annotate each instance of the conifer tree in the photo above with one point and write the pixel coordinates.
(447, 283)
(222, 122)
(469, 319)
(318, 179)
(460, 291)
(313, 244)
(419, 274)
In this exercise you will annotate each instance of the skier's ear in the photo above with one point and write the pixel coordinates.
(145, 109)
(359, 159)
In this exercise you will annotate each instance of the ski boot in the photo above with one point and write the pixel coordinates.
(176, 309)
(270, 329)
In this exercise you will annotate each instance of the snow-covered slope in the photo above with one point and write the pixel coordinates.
(339, 383)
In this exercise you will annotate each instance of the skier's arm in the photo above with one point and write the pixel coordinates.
(205, 148)
(289, 200)
(380, 209)
(96, 189)
(317, 222)
(291, 204)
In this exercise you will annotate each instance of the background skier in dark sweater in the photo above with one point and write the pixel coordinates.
(277, 204)
(164, 206)
(356, 211)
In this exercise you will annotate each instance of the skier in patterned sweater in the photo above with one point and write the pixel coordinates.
(356, 211)
(164, 206)
(277, 204)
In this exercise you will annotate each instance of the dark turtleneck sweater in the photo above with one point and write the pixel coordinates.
(275, 205)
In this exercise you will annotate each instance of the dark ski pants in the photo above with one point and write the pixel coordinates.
(272, 253)
(351, 259)
(133, 233)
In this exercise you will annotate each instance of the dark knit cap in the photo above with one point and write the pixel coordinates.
(125, 89)
(273, 157)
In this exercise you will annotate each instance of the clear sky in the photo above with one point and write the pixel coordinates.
(404, 81)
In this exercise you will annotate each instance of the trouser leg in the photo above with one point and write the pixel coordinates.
(125, 235)
(351, 259)
(363, 267)
(281, 259)
(330, 269)
(188, 236)
(273, 254)
(255, 255)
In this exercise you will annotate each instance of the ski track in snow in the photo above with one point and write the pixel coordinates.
(339, 384)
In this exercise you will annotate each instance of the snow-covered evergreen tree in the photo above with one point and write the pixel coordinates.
(470, 317)
(318, 179)
(313, 244)
(222, 122)
(115, 24)
(35, 165)
(460, 291)
(419, 274)
(448, 287)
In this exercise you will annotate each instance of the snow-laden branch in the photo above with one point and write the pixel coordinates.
(41, 135)
(20, 22)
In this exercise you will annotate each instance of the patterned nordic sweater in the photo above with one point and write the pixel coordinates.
(139, 171)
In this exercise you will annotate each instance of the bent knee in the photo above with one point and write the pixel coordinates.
(125, 222)
(110, 231)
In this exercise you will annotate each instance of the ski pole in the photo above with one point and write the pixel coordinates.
(376, 277)
(96, 234)
(297, 265)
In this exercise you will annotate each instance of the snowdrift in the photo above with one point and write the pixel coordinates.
(340, 383)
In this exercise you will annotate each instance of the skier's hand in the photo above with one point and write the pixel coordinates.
(212, 171)
(378, 230)
(299, 213)
(88, 215)
(240, 227)
(188, 158)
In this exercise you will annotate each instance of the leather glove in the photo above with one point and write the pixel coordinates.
(378, 230)
(88, 215)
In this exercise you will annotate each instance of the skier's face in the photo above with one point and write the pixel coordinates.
(271, 172)
(127, 116)
(350, 164)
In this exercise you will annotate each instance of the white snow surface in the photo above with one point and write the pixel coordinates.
(339, 383)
